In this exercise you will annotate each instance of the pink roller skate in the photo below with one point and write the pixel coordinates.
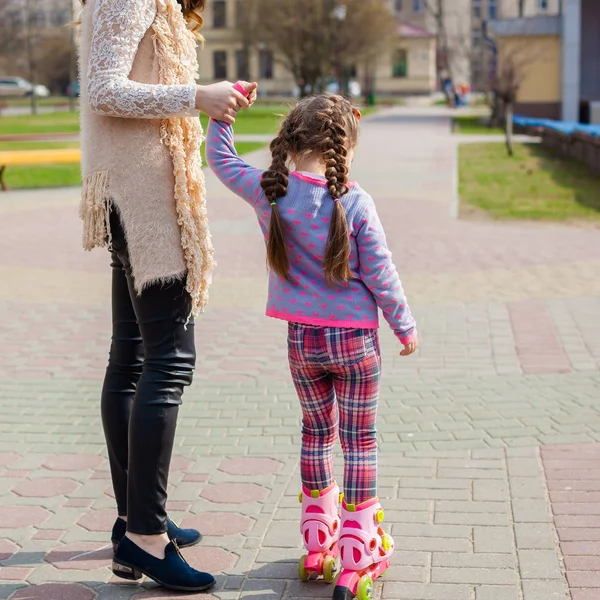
(320, 528)
(365, 550)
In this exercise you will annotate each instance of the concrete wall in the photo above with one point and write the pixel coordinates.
(421, 76)
(509, 9)
(540, 57)
(590, 50)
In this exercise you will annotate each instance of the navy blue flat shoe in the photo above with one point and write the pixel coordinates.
(173, 572)
(183, 537)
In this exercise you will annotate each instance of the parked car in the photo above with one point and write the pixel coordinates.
(354, 89)
(17, 87)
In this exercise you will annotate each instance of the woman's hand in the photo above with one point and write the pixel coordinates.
(220, 101)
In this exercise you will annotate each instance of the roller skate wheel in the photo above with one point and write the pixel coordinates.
(385, 542)
(364, 590)
(300, 497)
(329, 569)
(302, 572)
(379, 516)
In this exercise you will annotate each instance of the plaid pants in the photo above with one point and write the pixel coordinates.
(337, 373)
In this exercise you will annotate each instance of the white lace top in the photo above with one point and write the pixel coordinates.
(118, 28)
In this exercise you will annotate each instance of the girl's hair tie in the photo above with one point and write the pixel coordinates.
(273, 203)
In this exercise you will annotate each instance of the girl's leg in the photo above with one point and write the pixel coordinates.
(314, 386)
(356, 379)
(125, 364)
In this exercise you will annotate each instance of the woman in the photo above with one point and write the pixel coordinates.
(144, 197)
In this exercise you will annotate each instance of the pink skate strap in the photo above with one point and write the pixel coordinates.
(361, 506)
(316, 493)
(238, 87)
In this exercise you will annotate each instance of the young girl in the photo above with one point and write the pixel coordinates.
(329, 270)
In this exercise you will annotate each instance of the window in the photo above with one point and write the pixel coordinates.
(240, 12)
(417, 6)
(219, 14)
(398, 5)
(477, 9)
(242, 65)
(476, 38)
(265, 64)
(220, 64)
(493, 9)
(400, 63)
(61, 17)
(16, 18)
(39, 19)
(542, 5)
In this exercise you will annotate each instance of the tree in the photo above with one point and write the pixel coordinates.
(512, 71)
(314, 40)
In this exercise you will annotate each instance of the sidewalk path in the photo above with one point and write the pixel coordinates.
(490, 437)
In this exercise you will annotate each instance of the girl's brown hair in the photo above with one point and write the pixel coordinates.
(192, 11)
(325, 126)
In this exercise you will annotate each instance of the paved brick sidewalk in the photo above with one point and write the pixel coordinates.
(490, 437)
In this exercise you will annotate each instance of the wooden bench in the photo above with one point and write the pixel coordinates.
(11, 158)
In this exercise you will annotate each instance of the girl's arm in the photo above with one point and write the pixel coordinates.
(241, 178)
(379, 274)
(118, 28)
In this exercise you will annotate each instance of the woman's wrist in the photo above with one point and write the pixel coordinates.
(200, 97)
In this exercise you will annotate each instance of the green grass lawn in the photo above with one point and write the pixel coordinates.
(534, 184)
(55, 122)
(53, 101)
(473, 125)
(41, 176)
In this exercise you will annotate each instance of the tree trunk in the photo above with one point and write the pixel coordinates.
(508, 127)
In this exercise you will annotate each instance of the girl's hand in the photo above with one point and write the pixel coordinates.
(220, 101)
(410, 348)
(250, 89)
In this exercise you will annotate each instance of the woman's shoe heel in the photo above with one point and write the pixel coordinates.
(125, 572)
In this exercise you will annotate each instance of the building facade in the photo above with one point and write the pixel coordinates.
(561, 77)
(409, 67)
(42, 14)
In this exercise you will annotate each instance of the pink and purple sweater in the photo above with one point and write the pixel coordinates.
(306, 209)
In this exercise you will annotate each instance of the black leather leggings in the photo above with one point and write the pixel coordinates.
(152, 358)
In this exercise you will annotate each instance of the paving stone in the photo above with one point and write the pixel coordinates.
(234, 493)
(488, 592)
(83, 556)
(473, 561)
(7, 549)
(218, 524)
(428, 591)
(544, 590)
(535, 536)
(492, 539)
(73, 462)
(22, 516)
(472, 576)
(250, 466)
(55, 591)
(539, 564)
(45, 487)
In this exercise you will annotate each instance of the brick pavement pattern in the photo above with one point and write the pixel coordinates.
(489, 437)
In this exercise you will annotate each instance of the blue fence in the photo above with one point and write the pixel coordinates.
(565, 127)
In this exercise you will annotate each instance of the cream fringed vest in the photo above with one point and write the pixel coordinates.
(150, 169)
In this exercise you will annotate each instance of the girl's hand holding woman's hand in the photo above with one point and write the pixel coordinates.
(221, 101)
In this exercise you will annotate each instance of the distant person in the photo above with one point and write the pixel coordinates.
(144, 198)
(329, 271)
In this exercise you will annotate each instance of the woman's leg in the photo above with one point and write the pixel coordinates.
(314, 387)
(169, 356)
(356, 381)
(162, 312)
(125, 364)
